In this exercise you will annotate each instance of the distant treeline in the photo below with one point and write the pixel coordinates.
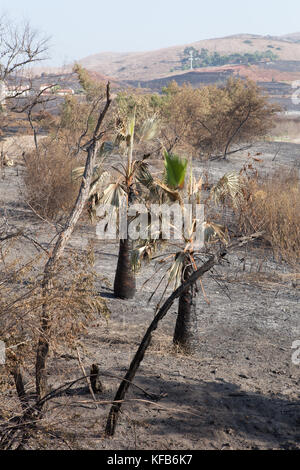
(204, 58)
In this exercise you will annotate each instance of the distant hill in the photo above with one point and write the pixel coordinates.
(294, 37)
(165, 62)
(279, 72)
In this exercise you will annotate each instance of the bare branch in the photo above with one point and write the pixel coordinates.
(63, 238)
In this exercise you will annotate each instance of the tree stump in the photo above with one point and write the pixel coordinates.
(96, 383)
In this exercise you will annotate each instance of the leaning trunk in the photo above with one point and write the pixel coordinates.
(124, 285)
(186, 329)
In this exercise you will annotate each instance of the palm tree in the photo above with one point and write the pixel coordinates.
(121, 191)
(185, 260)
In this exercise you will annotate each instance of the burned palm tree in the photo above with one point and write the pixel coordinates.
(182, 263)
(121, 191)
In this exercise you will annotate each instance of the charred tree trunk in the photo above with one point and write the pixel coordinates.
(124, 285)
(186, 328)
(18, 378)
(96, 383)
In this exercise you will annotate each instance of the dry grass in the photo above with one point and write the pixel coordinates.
(286, 128)
(273, 206)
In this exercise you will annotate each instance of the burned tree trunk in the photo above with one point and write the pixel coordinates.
(186, 328)
(139, 356)
(124, 284)
(96, 383)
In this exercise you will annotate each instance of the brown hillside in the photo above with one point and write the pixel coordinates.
(156, 64)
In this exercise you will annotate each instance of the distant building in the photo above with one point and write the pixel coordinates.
(47, 88)
(17, 91)
(12, 91)
(64, 92)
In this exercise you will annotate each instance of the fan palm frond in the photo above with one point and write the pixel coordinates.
(77, 173)
(149, 129)
(213, 231)
(141, 253)
(176, 269)
(229, 186)
(175, 170)
(98, 182)
(113, 195)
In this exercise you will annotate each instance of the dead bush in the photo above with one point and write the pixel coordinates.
(285, 128)
(73, 304)
(50, 190)
(272, 205)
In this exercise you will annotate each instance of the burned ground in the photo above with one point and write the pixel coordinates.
(240, 390)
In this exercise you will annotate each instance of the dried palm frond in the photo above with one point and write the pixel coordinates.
(194, 189)
(176, 269)
(229, 186)
(149, 129)
(213, 231)
(113, 195)
(143, 174)
(77, 173)
(141, 253)
(97, 186)
(98, 183)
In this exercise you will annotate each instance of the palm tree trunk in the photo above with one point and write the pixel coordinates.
(186, 328)
(124, 285)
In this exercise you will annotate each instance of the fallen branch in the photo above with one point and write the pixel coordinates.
(87, 380)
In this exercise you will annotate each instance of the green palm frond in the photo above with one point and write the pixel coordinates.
(175, 170)
(158, 190)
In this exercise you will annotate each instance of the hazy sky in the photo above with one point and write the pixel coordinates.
(82, 27)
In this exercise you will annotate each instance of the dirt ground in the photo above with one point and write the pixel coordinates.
(240, 390)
